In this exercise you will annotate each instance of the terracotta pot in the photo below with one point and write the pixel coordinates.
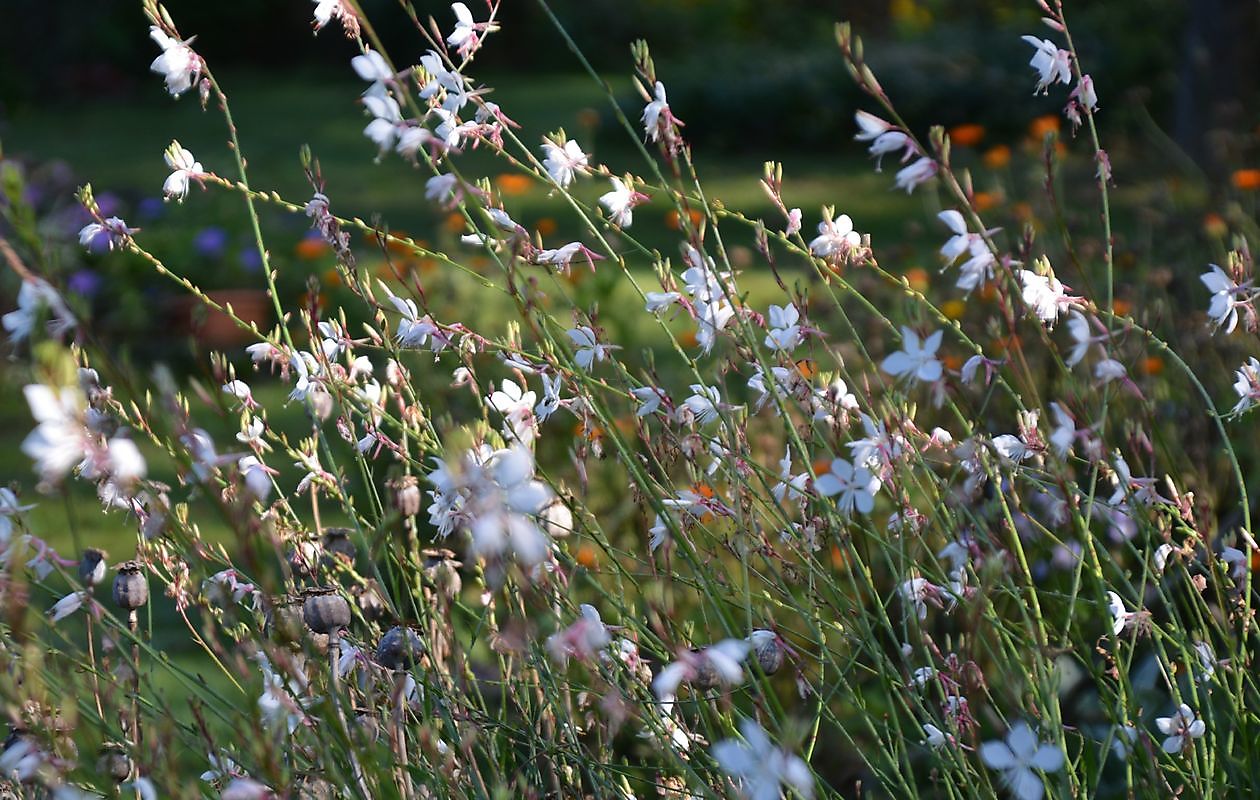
(214, 329)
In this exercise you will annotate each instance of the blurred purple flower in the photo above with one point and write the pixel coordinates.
(85, 282)
(108, 203)
(250, 259)
(150, 208)
(211, 242)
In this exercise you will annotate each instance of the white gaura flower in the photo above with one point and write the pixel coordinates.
(936, 738)
(582, 640)
(565, 160)
(37, 297)
(1120, 617)
(1044, 295)
(621, 201)
(656, 114)
(920, 172)
(784, 333)
(387, 122)
(9, 508)
(1181, 728)
(856, 487)
(716, 665)
(760, 767)
(66, 606)
(184, 169)
(883, 136)
(1011, 448)
(1064, 433)
(657, 301)
(1227, 297)
(467, 36)
(704, 403)
(371, 67)
(1247, 385)
(115, 228)
(917, 358)
(58, 442)
(836, 237)
(1017, 757)
(178, 64)
(587, 349)
(649, 398)
(328, 10)
(1082, 338)
(1053, 65)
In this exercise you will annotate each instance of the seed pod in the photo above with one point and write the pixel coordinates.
(407, 495)
(442, 571)
(131, 588)
(114, 762)
(369, 598)
(706, 674)
(768, 649)
(92, 567)
(325, 611)
(337, 544)
(284, 620)
(399, 648)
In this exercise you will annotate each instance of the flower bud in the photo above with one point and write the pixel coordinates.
(399, 648)
(325, 611)
(407, 495)
(131, 587)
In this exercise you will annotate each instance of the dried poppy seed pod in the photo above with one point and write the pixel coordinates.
(92, 567)
(768, 650)
(131, 588)
(325, 611)
(114, 762)
(399, 648)
(370, 599)
(284, 620)
(337, 544)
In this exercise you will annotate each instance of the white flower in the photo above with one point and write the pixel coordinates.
(1052, 64)
(115, 228)
(649, 398)
(1108, 370)
(1078, 327)
(760, 767)
(511, 399)
(784, 333)
(66, 606)
(582, 640)
(856, 487)
(184, 169)
(588, 350)
(657, 301)
(703, 403)
(327, 10)
(1011, 448)
(466, 37)
(551, 397)
(371, 67)
(1120, 618)
(1180, 729)
(1017, 757)
(917, 358)
(935, 737)
(1064, 433)
(1247, 385)
(919, 172)
(564, 161)
(1227, 297)
(719, 662)
(836, 238)
(34, 298)
(57, 443)
(1044, 295)
(178, 64)
(620, 202)
(1085, 94)
(656, 113)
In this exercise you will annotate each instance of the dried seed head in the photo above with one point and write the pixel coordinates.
(325, 611)
(399, 648)
(369, 598)
(407, 495)
(284, 620)
(114, 762)
(441, 569)
(92, 567)
(131, 587)
(768, 649)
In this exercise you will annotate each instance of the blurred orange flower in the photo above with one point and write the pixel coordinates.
(966, 135)
(510, 184)
(454, 222)
(918, 279)
(997, 157)
(1047, 123)
(954, 309)
(311, 248)
(546, 226)
(1247, 180)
